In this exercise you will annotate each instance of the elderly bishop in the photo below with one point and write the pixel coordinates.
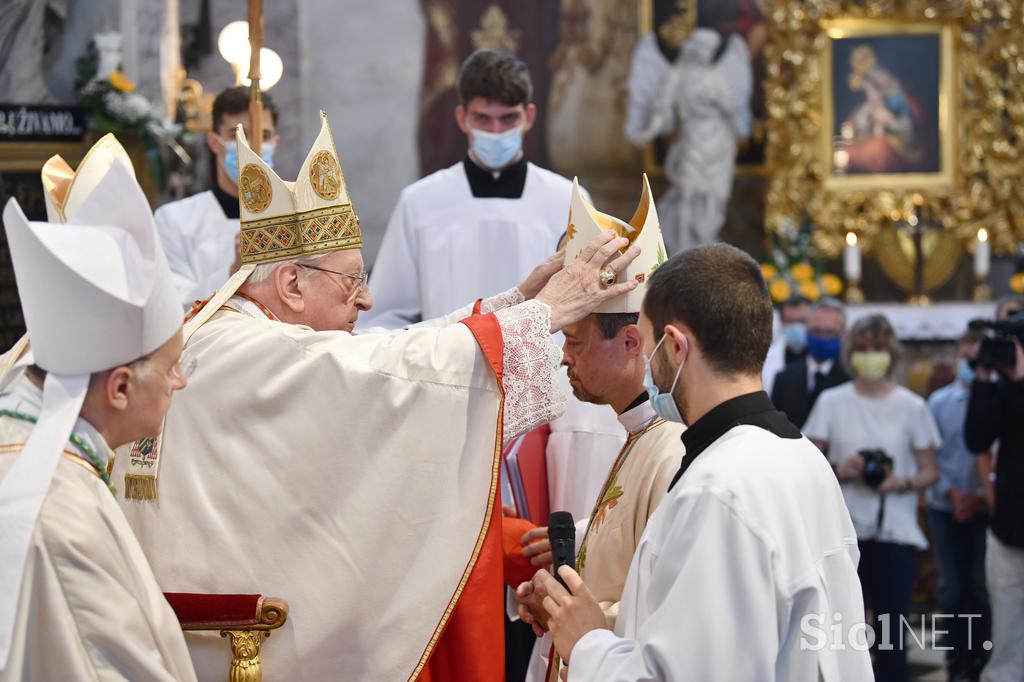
(354, 475)
(79, 601)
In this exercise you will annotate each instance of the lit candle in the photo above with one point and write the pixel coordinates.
(982, 254)
(851, 258)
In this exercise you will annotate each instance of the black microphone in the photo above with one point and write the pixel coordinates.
(562, 534)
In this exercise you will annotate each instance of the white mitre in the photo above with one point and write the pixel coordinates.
(586, 224)
(96, 293)
(65, 190)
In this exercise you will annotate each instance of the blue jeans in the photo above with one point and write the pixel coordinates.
(960, 551)
(886, 573)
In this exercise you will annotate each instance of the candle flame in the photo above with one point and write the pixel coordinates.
(983, 235)
(851, 239)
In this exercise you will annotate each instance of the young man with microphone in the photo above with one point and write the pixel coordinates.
(747, 570)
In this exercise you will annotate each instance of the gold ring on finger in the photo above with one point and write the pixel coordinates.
(607, 277)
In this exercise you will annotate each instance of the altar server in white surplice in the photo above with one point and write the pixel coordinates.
(199, 233)
(476, 229)
(747, 570)
(79, 601)
(353, 475)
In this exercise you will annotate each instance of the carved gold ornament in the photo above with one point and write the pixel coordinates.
(980, 184)
(325, 175)
(254, 188)
(494, 31)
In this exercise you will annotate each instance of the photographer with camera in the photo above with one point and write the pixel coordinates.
(995, 412)
(881, 440)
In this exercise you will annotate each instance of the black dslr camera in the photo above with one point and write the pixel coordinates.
(877, 467)
(997, 349)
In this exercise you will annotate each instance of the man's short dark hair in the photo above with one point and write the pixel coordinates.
(235, 100)
(719, 293)
(611, 324)
(496, 76)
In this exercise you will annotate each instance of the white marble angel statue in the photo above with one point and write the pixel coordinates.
(705, 98)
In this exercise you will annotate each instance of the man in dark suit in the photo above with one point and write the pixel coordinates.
(802, 381)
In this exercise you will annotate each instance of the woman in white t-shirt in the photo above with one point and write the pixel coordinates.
(874, 413)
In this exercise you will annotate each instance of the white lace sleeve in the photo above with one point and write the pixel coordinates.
(506, 300)
(529, 367)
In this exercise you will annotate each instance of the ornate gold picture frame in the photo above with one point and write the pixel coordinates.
(888, 120)
(981, 114)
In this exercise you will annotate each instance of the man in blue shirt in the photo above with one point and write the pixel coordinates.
(957, 516)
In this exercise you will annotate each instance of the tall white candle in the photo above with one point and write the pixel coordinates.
(982, 254)
(851, 258)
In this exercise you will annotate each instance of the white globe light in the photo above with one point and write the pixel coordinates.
(271, 69)
(233, 43)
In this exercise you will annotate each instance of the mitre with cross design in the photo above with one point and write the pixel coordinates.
(283, 220)
(586, 223)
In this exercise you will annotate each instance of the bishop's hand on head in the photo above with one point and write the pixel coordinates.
(578, 288)
(542, 274)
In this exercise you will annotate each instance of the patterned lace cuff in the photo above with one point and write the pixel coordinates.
(506, 300)
(530, 367)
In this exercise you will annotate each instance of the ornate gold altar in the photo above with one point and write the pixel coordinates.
(965, 177)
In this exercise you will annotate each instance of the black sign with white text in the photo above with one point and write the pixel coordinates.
(41, 123)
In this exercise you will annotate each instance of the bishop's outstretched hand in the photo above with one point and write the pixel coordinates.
(577, 289)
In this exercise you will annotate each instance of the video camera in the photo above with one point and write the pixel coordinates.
(997, 349)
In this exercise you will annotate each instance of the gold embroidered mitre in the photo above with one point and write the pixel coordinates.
(65, 189)
(283, 220)
(586, 223)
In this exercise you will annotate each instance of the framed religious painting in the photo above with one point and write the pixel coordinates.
(896, 117)
(888, 114)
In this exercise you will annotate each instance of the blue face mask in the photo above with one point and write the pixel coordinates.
(964, 372)
(795, 334)
(231, 158)
(664, 404)
(496, 150)
(822, 348)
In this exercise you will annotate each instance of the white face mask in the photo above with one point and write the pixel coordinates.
(664, 404)
(497, 150)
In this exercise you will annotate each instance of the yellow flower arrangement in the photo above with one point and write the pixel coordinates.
(810, 290)
(779, 290)
(768, 271)
(1017, 283)
(832, 285)
(120, 82)
(802, 272)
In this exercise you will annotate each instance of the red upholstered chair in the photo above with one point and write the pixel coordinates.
(244, 618)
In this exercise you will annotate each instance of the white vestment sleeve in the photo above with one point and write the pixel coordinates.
(395, 279)
(709, 594)
(187, 282)
(489, 305)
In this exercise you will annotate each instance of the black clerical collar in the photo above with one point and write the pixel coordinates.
(640, 400)
(755, 409)
(228, 203)
(508, 185)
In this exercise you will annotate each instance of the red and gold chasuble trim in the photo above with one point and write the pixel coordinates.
(487, 332)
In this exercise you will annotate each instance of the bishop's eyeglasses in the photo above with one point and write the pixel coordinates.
(361, 278)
